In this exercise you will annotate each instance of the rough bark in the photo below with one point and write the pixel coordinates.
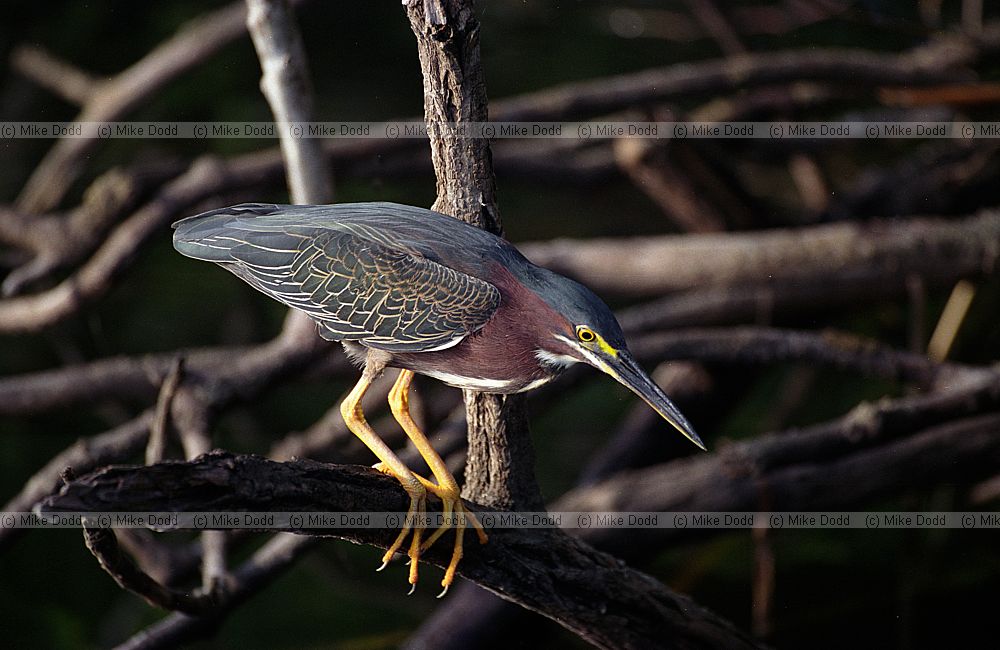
(593, 594)
(500, 468)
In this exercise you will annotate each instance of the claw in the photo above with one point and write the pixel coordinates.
(455, 514)
(414, 553)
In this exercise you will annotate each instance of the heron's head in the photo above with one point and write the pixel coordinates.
(591, 334)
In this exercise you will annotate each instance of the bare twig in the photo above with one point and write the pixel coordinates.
(859, 253)
(934, 63)
(480, 615)
(762, 303)
(945, 435)
(165, 564)
(662, 180)
(795, 472)
(985, 492)
(285, 83)
(157, 444)
(809, 181)
(270, 561)
(140, 377)
(191, 415)
(42, 309)
(805, 172)
(58, 76)
(191, 411)
(104, 546)
(867, 426)
(932, 179)
(746, 105)
(875, 449)
(930, 64)
(951, 320)
(717, 25)
(895, 430)
(777, 18)
(968, 94)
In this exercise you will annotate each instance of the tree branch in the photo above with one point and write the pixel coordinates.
(934, 60)
(240, 377)
(756, 345)
(285, 83)
(872, 251)
(838, 465)
(269, 562)
(101, 542)
(500, 467)
(140, 377)
(55, 241)
(760, 302)
(58, 76)
(938, 61)
(85, 455)
(541, 569)
(93, 279)
(880, 449)
(192, 44)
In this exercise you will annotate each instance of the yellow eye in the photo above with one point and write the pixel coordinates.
(586, 335)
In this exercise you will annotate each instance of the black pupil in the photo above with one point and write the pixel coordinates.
(587, 335)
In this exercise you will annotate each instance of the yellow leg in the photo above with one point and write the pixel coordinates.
(446, 488)
(354, 417)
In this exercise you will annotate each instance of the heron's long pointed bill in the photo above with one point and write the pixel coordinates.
(626, 370)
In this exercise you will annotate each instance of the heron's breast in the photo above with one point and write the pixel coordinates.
(501, 356)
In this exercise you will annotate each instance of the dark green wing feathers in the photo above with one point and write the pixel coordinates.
(355, 287)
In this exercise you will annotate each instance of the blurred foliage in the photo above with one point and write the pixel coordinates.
(834, 588)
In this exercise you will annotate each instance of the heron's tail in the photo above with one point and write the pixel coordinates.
(208, 236)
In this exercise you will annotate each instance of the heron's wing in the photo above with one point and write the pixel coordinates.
(355, 288)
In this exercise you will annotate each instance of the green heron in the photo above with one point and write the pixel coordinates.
(410, 288)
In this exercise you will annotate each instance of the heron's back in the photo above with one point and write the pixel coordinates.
(437, 237)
